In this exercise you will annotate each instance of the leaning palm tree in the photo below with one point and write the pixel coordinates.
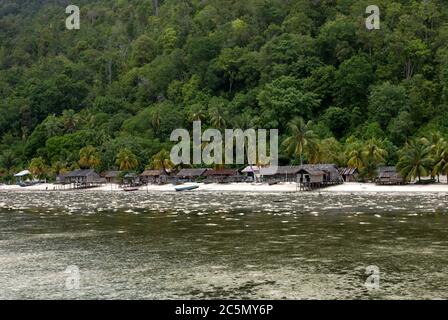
(127, 160)
(301, 138)
(161, 161)
(89, 157)
(415, 160)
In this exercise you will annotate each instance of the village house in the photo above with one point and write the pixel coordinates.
(112, 176)
(190, 175)
(251, 172)
(82, 178)
(314, 176)
(389, 175)
(349, 174)
(222, 176)
(131, 179)
(154, 176)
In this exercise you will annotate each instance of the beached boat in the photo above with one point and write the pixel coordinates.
(185, 188)
(130, 189)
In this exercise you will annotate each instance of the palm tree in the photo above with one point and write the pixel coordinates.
(415, 160)
(89, 157)
(156, 120)
(217, 118)
(37, 167)
(126, 160)
(161, 161)
(8, 160)
(53, 126)
(59, 167)
(196, 113)
(373, 156)
(301, 138)
(70, 120)
(373, 152)
(435, 141)
(355, 155)
(441, 159)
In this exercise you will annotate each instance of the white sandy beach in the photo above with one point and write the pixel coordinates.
(351, 187)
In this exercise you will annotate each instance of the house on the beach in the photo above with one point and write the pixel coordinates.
(349, 174)
(82, 178)
(154, 176)
(190, 175)
(389, 175)
(112, 176)
(314, 176)
(222, 176)
(131, 179)
(23, 176)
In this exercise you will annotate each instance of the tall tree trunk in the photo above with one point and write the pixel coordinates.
(156, 7)
(109, 71)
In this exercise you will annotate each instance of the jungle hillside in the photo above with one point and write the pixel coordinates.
(109, 95)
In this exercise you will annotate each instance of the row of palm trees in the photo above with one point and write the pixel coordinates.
(427, 156)
(302, 142)
(422, 157)
(89, 158)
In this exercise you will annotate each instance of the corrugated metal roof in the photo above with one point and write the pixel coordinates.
(348, 171)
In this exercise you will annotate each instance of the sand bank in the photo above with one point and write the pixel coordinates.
(245, 187)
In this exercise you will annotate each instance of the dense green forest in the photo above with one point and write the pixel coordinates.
(110, 94)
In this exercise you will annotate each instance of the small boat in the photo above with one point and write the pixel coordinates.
(186, 188)
(131, 189)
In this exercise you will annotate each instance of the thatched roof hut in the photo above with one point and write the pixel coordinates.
(349, 174)
(191, 174)
(154, 176)
(389, 175)
(112, 176)
(82, 178)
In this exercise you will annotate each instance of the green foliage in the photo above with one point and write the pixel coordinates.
(415, 160)
(127, 160)
(139, 69)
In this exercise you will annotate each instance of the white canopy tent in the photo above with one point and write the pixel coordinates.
(22, 173)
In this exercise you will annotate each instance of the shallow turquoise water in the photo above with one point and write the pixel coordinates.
(223, 245)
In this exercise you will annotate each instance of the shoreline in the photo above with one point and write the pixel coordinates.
(350, 187)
